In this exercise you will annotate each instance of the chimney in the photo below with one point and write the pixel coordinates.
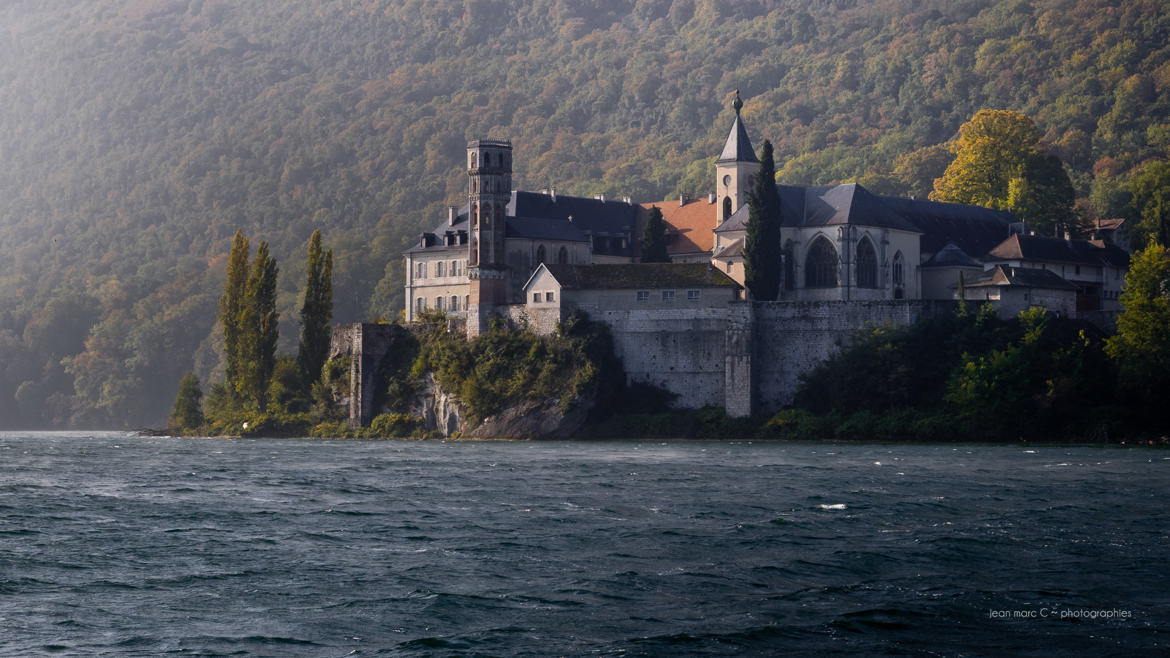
(452, 215)
(552, 192)
(626, 199)
(711, 198)
(682, 200)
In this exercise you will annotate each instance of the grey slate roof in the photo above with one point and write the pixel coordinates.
(849, 203)
(738, 147)
(973, 229)
(639, 275)
(543, 229)
(737, 221)
(543, 216)
(1056, 250)
(731, 250)
(951, 256)
(828, 205)
(1025, 277)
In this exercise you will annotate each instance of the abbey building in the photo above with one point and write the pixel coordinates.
(839, 243)
(850, 258)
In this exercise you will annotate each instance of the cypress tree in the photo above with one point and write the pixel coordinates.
(230, 306)
(258, 331)
(761, 245)
(316, 312)
(654, 238)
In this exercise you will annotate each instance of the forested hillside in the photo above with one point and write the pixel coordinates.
(136, 137)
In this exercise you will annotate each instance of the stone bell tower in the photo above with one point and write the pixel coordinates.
(734, 168)
(489, 188)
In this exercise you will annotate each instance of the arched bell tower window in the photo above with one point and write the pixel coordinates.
(820, 268)
(866, 264)
(563, 256)
(726, 208)
(540, 254)
(473, 159)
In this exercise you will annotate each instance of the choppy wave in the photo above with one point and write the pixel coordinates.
(117, 545)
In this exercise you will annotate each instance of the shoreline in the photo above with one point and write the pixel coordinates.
(1163, 442)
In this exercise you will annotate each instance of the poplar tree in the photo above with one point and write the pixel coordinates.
(258, 331)
(316, 312)
(761, 245)
(654, 238)
(230, 306)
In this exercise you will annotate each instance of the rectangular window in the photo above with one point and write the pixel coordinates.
(419, 305)
(465, 302)
(668, 295)
(454, 268)
(548, 297)
(422, 270)
(693, 295)
(440, 269)
(536, 298)
(454, 303)
(643, 295)
(438, 303)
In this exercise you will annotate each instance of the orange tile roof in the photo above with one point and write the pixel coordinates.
(692, 223)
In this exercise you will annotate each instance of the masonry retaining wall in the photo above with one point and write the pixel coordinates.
(680, 350)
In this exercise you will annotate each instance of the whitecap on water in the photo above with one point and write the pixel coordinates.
(833, 506)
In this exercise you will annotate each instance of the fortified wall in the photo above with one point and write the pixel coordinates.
(746, 357)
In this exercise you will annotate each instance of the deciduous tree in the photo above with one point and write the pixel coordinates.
(992, 149)
(187, 413)
(1141, 346)
(1150, 203)
(998, 165)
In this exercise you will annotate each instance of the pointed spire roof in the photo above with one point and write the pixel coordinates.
(738, 147)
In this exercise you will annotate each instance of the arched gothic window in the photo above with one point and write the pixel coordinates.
(820, 267)
(866, 264)
(726, 208)
(563, 256)
(540, 254)
(899, 274)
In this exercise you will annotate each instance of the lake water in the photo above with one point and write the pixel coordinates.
(120, 545)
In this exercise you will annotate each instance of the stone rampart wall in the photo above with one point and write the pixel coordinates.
(679, 350)
(792, 338)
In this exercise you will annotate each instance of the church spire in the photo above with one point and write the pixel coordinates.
(738, 147)
(734, 168)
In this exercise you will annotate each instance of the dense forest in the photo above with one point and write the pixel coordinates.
(137, 136)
